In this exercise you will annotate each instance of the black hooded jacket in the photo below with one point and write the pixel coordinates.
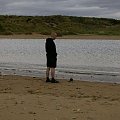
(50, 48)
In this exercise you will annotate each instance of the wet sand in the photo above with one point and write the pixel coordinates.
(39, 36)
(30, 98)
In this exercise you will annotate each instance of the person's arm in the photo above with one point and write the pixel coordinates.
(50, 48)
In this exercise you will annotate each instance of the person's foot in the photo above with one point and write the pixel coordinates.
(54, 81)
(48, 80)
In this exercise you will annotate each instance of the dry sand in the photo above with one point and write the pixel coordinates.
(30, 98)
(39, 36)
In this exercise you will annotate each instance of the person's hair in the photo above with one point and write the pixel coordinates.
(53, 35)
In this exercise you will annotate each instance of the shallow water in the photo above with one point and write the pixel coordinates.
(95, 60)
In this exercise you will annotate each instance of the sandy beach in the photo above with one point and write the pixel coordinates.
(39, 36)
(30, 98)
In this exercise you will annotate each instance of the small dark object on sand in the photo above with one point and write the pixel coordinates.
(71, 80)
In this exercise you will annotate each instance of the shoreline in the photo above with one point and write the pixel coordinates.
(31, 98)
(34, 70)
(38, 36)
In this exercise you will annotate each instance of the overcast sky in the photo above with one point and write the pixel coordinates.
(91, 8)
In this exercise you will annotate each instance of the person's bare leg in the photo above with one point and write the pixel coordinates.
(53, 72)
(47, 72)
(53, 76)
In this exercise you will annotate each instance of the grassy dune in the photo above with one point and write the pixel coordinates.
(63, 25)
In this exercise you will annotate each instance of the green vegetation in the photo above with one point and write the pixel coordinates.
(63, 25)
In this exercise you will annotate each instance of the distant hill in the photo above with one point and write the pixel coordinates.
(63, 25)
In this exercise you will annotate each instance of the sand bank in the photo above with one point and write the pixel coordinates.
(38, 36)
(30, 98)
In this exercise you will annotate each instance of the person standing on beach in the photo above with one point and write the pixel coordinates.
(51, 56)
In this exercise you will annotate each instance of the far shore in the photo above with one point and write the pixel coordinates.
(39, 36)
